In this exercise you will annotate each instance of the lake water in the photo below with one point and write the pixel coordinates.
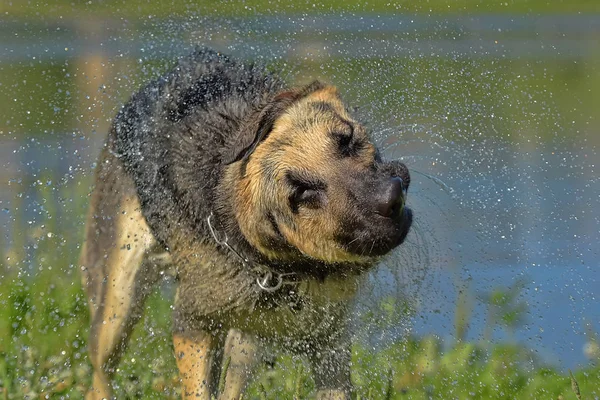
(497, 117)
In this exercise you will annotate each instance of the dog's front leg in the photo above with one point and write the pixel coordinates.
(331, 368)
(194, 353)
(240, 358)
(332, 394)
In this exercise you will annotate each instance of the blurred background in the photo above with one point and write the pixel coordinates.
(492, 105)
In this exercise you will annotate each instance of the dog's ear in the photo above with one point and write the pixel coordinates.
(254, 131)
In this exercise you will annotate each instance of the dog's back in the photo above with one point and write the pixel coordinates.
(171, 135)
(133, 206)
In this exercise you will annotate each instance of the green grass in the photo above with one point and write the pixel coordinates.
(143, 8)
(43, 353)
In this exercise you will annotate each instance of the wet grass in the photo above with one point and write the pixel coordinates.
(43, 355)
(44, 328)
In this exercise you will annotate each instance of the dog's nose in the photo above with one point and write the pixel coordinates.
(393, 197)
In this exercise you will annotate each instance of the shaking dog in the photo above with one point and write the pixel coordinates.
(269, 202)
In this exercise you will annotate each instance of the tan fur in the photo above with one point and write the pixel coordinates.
(194, 359)
(316, 239)
(120, 257)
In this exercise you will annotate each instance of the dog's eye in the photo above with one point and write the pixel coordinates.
(345, 141)
(309, 198)
(306, 191)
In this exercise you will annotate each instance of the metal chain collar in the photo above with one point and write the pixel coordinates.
(266, 275)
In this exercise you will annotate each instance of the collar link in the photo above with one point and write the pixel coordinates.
(267, 280)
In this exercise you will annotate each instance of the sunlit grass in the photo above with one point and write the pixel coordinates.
(143, 8)
(43, 353)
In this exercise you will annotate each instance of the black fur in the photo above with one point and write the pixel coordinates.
(177, 133)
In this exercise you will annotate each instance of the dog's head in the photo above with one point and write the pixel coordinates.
(307, 178)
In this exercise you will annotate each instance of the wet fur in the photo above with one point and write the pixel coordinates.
(215, 138)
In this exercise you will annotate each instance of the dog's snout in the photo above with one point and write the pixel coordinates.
(392, 197)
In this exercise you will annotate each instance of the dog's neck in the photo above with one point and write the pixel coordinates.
(228, 236)
(226, 233)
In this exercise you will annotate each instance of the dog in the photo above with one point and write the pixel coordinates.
(270, 202)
